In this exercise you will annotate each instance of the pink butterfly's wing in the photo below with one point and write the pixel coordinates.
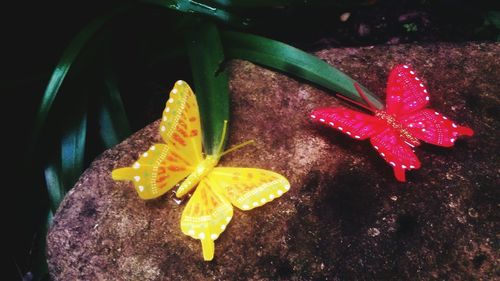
(433, 127)
(396, 152)
(383, 138)
(355, 124)
(405, 91)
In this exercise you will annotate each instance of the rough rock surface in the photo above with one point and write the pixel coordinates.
(345, 218)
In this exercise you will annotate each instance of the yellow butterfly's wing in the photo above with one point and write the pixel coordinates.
(180, 124)
(157, 171)
(248, 188)
(206, 215)
(164, 165)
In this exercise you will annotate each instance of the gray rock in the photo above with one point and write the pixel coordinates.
(345, 218)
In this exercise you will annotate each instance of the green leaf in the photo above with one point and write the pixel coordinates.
(254, 3)
(210, 82)
(283, 57)
(55, 188)
(63, 66)
(201, 8)
(286, 3)
(73, 149)
(113, 121)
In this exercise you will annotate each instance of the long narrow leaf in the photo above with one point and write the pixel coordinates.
(107, 130)
(211, 84)
(63, 66)
(283, 57)
(113, 121)
(73, 151)
(55, 187)
(255, 3)
(286, 3)
(202, 8)
(113, 128)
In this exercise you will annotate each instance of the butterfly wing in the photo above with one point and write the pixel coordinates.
(180, 124)
(355, 124)
(164, 165)
(396, 152)
(433, 127)
(155, 172)
(248, 188)
(206, 215)
(405, 91)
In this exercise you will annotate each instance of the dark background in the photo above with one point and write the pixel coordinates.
(35, 35)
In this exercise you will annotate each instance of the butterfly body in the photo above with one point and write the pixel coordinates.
(400, 127)
(391, 121)
(180, 159)
(199, 172)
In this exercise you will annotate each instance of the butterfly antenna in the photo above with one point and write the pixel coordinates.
(364, 97)
(238, 146)
(224, 131)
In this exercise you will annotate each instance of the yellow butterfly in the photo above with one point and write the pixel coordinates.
(210, 209)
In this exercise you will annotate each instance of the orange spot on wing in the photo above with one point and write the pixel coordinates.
(163, 178)
(182, 124)
(175, 168)
(194, 133)
(179, 139)
(161, 170)
(180, 158)
(192, 119)
(161, 181)
(182, 132)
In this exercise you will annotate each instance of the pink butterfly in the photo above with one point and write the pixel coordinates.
(395, 131)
